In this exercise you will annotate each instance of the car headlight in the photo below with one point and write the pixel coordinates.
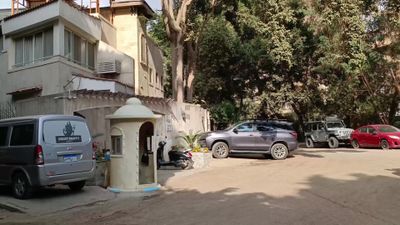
(394, 137)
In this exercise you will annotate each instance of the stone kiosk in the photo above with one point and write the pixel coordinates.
(133, 164)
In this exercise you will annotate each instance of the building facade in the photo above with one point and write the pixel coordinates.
(59, 57)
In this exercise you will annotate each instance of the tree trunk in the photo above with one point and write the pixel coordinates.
(300, 116)
(192, 63)
(177, 72)
(393, 106)
(395, 99)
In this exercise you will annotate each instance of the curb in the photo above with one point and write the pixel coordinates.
(10, 208)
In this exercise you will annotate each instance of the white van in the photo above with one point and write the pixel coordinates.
(45, 150)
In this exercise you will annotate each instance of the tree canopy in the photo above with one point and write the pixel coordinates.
(295, 59)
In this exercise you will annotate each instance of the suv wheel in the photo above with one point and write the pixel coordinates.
(21, 187)
(385, 144)
(309, 143)
(333, 142)
(77, 186)
(279, 151)
(220, 150)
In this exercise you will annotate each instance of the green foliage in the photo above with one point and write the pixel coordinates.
(321, 57)
(224, 113)
(190, 140)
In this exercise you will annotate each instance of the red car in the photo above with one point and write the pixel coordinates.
(376, 136)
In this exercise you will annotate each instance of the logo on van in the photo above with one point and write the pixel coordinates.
(68, 137)
(69, 129)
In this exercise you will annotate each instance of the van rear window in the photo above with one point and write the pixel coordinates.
(65, 131)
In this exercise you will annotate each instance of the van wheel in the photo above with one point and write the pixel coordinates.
(77, 186)
(21, 187)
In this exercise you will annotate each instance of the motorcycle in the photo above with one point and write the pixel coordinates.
(182, 159)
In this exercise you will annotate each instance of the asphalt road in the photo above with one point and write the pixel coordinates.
(318, 186)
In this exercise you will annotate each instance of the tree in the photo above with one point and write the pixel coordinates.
(175, 13)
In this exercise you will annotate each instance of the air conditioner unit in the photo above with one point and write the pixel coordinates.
(110, 67)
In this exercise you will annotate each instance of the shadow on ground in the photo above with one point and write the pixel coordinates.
(359, 200)
(43, 193)
(314, 153)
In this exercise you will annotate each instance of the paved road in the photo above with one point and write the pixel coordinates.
(318, 186)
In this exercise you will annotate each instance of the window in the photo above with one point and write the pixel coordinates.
(371, 130)
(388, 129)
(48, 40)
(116, 145)
(1, 40)
(150, 75)
(65, 132)
(3, 136)
(363, 130)
(157, 78)
(308, 127)
(246, 127)
(314, 126)
(78, 49)
(264, 127)
(19, 48)
(67, 44)
(22, 135)
(91, 55)
(143, 50)
(33, 48)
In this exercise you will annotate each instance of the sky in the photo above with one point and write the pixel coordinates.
(155, 4)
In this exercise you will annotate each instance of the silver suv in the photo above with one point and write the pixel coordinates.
(331, 130)
(275, 138)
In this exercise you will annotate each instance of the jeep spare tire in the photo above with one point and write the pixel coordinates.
(333, 142)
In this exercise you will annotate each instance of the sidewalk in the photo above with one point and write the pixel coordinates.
(52, 200)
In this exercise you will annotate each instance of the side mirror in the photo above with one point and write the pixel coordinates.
(374, 133)
(235, 131)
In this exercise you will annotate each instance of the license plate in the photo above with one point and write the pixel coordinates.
(71, 158)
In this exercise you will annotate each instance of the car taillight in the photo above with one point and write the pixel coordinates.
(39, 155)
(190, 154)
(94, 149)
(294, 134)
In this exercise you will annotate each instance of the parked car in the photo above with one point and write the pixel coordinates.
(331, 130)
(376, 136)
(265, 137)
(45, 150)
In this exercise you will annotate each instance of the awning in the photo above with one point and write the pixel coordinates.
(22, 91)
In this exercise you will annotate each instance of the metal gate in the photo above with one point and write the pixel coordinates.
(7, 110)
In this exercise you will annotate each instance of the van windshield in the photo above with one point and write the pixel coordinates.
(65, 131)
